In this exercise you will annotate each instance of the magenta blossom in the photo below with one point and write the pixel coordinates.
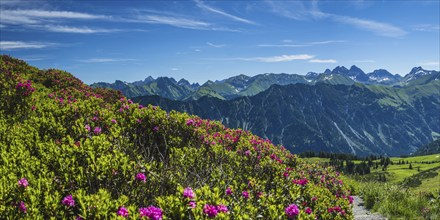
(210, 210)
(222, 208)
(22, 206)
(350, 199)
(97, 130)
(245, 194)
(122, 212)
(141, 177)
(228, 191)
(23, 183)
(154, 213)
(68, 201)
(114, 121)
(87, 127)
(188, 193)
(192, 204)
(308, 210)
(291, 211)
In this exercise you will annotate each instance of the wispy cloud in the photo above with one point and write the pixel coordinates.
(175, 21)
(426, 27)
(215, 45)
(301, 45)
(174, 69)
(77, 30)
(299, 10)
(379, 28)
(202, 5)
(41, 16)
(17, 45)
(323, 61)
(430, 63)
(327, 42)
(105, 60)
(282, 58)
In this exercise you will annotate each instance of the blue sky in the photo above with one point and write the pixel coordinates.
(200, 40)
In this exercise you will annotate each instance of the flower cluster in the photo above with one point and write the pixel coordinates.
(141, 177)
(152, 212)
(23, 183)
(68, 201)
(291, 211)
(188, 193)
(122, 211)
(25, 88)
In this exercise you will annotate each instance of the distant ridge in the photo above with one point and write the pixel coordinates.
(242, 85)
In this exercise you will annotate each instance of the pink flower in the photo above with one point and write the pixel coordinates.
(23, 183)
(188, 193)
(245, 194)
(189, 122)
(122, 212)
(141, 177)
(97, 130)
(87, 127)
(22, 206)
(114, 121)
(154, 213)
(350, 199)
(285, 174)
(228, 191)
(192, 204)
(156, 128)
(68, 201)
(247, 153)
(291, 211)
(210, 210)
(308, 210)
(222, 208)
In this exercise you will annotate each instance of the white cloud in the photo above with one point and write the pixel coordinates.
(299, 10)
(426, 27)
(327, 42)
(282, 58)
(175, 21)
(430, 63)
(105, 60)
(16, 45)
(174, 69)
(302, 45)
(379, 28)
(323, 61)
(35, 16)
(215, 45)
(77, 30)
(201, 5)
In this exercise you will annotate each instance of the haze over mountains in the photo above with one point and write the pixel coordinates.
(243, 85)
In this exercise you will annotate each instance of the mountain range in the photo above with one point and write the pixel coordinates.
(243, 85)
(344, 118)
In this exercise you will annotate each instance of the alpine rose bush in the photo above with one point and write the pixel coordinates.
(75, 152)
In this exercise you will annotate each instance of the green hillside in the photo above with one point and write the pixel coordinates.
(72, 152)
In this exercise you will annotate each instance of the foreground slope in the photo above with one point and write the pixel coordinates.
(69, 151)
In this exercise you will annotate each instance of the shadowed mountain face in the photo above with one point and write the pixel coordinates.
(242, 85)
(334, 118)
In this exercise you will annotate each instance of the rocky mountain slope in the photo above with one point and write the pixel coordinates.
(350, 118)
